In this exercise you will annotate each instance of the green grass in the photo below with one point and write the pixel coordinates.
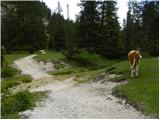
(14, 81)
(49, 55)
(8, 71)
(18, 102)
(11, 105)
(83, 60)
(88, 75)
(10, 58)
(142, 92)
(82, 72)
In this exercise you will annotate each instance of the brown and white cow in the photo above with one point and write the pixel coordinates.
(134, 60)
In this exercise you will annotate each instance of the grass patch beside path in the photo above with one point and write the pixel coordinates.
(12, 105)
(11, 76)
(10, 58)
(142, 92)
(8, 71)
(94, 61)
(49, 55)
(14, 81)
(87, 76)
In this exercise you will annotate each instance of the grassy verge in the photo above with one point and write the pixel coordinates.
(14, 81)
(94, 65)
(84, 60)
(18, 102)
(87, 76)
(49, 55)
(10, 58)
(12, 104)
(11, 76)
(8, 71)
(141, 92)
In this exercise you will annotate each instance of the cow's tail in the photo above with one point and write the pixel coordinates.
(134, 62)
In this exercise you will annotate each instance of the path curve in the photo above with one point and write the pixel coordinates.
(30, 66)
(88, 100)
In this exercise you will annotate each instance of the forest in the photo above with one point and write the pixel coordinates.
(30, 26)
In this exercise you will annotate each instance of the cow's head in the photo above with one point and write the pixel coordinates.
(139, 53)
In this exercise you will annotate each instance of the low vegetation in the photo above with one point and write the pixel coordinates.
(142, 92)
(11, 76)
(18, 102)
(10, 58)
(49, 55)
(14, 81)
(8, 71)
(12, 104)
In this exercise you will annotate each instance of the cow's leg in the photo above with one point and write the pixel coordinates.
(137, 69)
(132, 72)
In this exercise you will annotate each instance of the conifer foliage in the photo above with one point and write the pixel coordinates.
(30, 25)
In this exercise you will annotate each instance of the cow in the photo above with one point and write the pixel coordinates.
(134, 57)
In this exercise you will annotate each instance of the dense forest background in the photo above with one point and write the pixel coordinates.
(30, 26)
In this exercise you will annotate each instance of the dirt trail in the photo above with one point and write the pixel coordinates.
(67, 100)
(29, 66)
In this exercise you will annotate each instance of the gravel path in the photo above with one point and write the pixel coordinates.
(67, 100)
(30, 66)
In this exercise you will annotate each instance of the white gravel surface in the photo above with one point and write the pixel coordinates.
(30, 66)
(66, 100)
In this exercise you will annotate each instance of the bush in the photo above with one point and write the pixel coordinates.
(8, 71)
(14, 81)
(90, 59)
(8, 84)
(26, 79)
(16, 103)
(21, 101)
(20, 52)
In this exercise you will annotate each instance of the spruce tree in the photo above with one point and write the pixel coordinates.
(88, 26)
(111, 45)
(23, 26)
(151, 27)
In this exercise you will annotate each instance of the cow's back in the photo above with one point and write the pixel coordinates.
(133, 55)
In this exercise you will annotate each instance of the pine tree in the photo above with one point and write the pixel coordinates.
(151, 27)
(56, 32)
(88, 26)
(111, 45)
(23, 26)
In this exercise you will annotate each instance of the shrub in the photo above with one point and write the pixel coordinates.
(20, 52)
(11, 105)
(8, 71)
(8, 84)
(86, 58)
(26, 79)
(14, 81)
(16, 103)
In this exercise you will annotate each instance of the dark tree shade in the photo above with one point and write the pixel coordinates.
(23, 25)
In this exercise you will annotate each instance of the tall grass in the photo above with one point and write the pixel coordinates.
(14, 81)
(23, 100)
(8, 71)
